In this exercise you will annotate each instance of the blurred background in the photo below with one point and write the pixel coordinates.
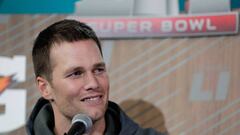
(173, 64)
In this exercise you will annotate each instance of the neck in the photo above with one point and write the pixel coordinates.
(98, 127)
(63, 124)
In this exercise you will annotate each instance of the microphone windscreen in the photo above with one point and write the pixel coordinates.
(85, 119)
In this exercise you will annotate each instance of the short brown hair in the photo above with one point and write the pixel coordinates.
(61, 31)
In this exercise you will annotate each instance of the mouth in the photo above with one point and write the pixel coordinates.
(95, 98)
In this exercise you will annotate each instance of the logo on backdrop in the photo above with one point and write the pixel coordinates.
(139, 27)
(209, 85)
(36, 6)
(12, 71)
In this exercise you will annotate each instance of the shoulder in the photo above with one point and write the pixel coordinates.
(148, 131)
(128, 126)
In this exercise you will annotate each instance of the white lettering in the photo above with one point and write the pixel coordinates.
(14, 66)
(118, 26)
(10, 120)
(210, 26)
(132, 27)
(167, 26)
(181, 26)
(222, 86)
(196, 24)
(15, 110)
(197, 92)
(105, 27)
(145, 26)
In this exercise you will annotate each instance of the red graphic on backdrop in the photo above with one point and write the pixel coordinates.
(184, 25)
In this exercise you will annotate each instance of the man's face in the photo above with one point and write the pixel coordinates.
(79, 80)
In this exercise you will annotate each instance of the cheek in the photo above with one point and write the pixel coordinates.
(104, 82)
(69, 88)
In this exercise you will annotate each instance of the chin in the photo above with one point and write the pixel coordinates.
(97, 116)
(96, 112)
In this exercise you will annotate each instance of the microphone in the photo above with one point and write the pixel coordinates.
(81, 123)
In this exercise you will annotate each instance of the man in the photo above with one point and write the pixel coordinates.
(72, 79)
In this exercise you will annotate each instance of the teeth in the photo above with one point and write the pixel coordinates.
(92, 99)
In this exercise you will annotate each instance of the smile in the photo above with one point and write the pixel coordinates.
(93, 98)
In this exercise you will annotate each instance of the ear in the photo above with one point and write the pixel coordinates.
(45, 88)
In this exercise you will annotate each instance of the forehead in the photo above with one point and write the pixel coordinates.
(75, 52)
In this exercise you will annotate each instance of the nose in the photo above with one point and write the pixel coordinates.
(91, 82)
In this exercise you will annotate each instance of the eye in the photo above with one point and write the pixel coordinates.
(99, 70)
(75, 74)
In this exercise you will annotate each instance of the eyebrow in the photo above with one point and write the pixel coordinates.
(72, 69)
(101, 64)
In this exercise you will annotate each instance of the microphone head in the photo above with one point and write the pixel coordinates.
(85, 119)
